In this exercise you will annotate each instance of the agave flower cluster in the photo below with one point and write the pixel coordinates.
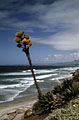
(22, 40)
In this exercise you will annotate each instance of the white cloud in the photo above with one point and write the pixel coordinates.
(61, 17)
(60, 57)
(63, 41)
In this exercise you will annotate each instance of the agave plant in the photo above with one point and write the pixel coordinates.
(45, 104)
(24, 42)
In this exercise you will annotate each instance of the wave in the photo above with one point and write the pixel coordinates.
(29, 78)
(19, 81)
(70, 68)
(44, 71)
(10, 97)
(62, 77)
(43, 76)
(12, 92)
(24, 71)
(39, 77)
(40, 80)
(28, 72)
(15, 73)
(11, 86)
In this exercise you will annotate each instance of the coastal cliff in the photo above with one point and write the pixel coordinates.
(63, 106)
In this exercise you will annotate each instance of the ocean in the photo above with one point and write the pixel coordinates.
(17, 81)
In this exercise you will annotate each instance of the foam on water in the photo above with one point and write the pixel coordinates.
(23, 80)
(28, 72)
(15, 73)
(24, 71)
(44, 76)
(43, 71)
(24, 83)
(62, 77)
(70, 68)
(11, 97)
(24, 87)
(11, 86)
(39, 77)
(40, 80)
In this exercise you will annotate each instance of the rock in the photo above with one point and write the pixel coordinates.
(5, 117)
(71, 78)
(11, 112)
(19, 110)
(28, 113)
(75, 76)
(11, 116)
(18, 116)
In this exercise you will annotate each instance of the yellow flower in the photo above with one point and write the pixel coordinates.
(25, 41)
(19, 33)
(26, 36)
(17, 39)
(30, 43)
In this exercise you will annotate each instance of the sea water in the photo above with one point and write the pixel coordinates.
(17, 81)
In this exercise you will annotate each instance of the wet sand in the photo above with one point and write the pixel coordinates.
(20, 104)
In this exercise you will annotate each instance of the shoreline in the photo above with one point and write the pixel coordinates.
(14, 110)
(18, 104)
(17, 107)
(21, 102)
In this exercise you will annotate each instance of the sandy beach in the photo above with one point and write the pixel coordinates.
(13, 110)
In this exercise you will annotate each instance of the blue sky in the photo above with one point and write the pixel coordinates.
(53, 27)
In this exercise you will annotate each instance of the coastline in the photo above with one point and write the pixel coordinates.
(16, 109)
(18, 105)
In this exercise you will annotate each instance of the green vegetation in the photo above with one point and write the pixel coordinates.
(61, 103)
(68, 112)
(60, 95)
(44, 104)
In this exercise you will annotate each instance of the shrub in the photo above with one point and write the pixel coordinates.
(67, 84)
(57, 89)
(70, 90)
(75, 89)
(57, 97)
(44, 104)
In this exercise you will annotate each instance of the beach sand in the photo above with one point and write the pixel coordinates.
(13, 110)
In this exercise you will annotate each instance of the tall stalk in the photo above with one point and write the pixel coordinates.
(31, 67)
(25, 43)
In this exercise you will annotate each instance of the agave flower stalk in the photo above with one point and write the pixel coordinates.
(24, 43)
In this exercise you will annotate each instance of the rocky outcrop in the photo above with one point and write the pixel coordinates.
(28, 113)
(14, 114)
(75, 76)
